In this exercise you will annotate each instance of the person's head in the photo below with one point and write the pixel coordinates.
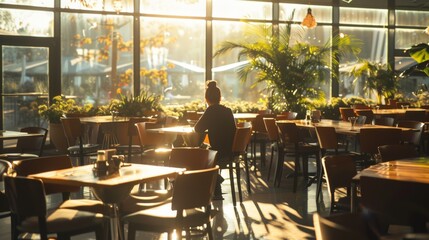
(212, 93)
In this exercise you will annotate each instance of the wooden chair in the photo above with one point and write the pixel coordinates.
(130, 147)
(156, 147)
(50, 163)
(239, 153)
(5, 169)
(396, 152)
(412, 137)
(259, 136)
(75, 135)
(274, 137)
(292, 143)
(385, 121)
(27, 201)
(368, 113)
(415, 115)
(346, 113)
(371, 138)
(191, 158)
(339, 171)
(190, 207)
(28, 147)
(341, 226)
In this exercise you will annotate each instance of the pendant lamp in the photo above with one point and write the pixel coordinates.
(309, 20)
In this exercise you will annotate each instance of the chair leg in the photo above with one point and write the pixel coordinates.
(209, 231)
(231, 180)
(237, 172)
(131, 231)
(271, 163)
(295, 175)
(246, 166)
(279, 167)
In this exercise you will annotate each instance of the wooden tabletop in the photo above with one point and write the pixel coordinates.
(341, 127)
(105, 119)
(410, 170)
(181, 129)
(395, 111)
(6, 134)
(130, 174)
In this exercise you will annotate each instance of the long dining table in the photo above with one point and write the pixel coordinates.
(111, 189)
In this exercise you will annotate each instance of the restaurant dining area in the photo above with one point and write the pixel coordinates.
(214, 119)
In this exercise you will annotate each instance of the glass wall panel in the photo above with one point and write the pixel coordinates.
(26, 23)
(412, 18)
(320, 13)
(40, 3)
(242, 9)
(96, 56)
(225, 66)
(374, 49)
(173, 58)
(405, 38)
(100, 5)
(25, 85)
(363, 16)
(174, 7)
(415, 82)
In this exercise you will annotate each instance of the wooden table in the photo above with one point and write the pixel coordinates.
(410, 170)
(189, 136)
(110, 189)
(394, 111)
(109, 126)
(8, 135)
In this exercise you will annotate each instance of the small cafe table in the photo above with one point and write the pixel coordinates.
(110, 189)
(410, 170)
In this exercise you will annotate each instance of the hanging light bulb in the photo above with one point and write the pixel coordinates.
(309, 20)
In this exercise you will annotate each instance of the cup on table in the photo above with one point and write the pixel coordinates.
(352, 122)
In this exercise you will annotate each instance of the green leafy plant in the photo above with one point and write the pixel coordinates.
(379, 78)
(420, 53)
(141, 105)
(61, 106)
(289, 70)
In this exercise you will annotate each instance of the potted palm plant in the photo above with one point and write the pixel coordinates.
(379, 78)
(288, 69)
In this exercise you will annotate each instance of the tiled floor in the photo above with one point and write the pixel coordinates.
(266, 213)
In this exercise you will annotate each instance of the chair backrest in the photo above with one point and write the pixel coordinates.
(415, 115)
(241, 139)
(44, 164)
(412, 137)
(26, 196)
(5, 169)
(339, 171)
(397, 151)
(258, 123)
(192, 158)
(371, 138)
(327, 137)
(289, 133)
(73, 130)
(150, 139)
(346, 113)
(287, 116)
(366, 112)
(32, 144)
(272, 130)
(385, 121)
(396, 202)
(194, 189)
(340, 226)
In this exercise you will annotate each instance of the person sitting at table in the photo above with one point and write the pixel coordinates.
(219, 123)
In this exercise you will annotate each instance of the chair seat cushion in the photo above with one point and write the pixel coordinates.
(88, 205)
(162, 217)
(63, 220)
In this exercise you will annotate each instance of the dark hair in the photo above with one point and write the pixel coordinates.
(212, 92)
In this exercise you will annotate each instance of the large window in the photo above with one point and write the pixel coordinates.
(26, 23)
(97, 57)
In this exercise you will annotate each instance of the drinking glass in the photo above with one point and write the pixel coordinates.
(352, 122)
